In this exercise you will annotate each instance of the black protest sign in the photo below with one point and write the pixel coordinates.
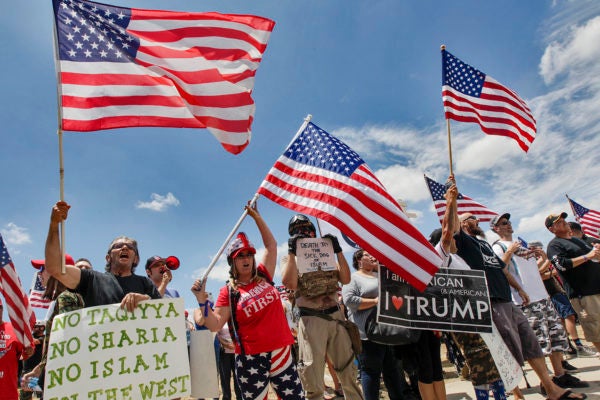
(455, 300)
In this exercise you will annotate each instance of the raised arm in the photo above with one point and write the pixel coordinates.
(270, 257)
(450, 224)
(53, 260)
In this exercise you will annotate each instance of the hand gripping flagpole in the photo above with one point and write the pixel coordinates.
(235, 228)
(245, 213)
(442, 48)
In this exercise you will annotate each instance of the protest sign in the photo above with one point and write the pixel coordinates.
(203, 365)
(455, 300)
(314, 254)
(509, 369)
(106, 352)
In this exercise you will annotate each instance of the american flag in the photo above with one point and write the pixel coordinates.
(36, 294)
(319, 175)
(469, 95)
(588, 219)
(19, 311)
(127, 67)
(464, 203)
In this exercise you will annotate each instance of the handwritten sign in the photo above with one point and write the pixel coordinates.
(455, 300)
(104, 352)
(314, 254)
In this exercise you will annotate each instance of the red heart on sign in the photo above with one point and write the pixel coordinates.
(398, 301)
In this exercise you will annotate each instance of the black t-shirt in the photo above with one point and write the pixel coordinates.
(101, 288)
(480, 255)
(583, 280)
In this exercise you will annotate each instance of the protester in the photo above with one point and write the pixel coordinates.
(319, 333)
(578, 233)
(360, 298)
(11, 351)
(260, 330)
(524, 265)
(160, 274)
(63, 301)
(483, 373)
(118, 284)
(83, 263)
(510, 320)
(28, 364)
(577, 264)
(227, 365)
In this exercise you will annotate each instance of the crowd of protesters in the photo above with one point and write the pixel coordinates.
(284, 338)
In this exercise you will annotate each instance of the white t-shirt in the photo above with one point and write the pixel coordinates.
(451, 260)
(525, 271)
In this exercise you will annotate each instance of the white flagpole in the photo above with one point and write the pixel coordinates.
(239, 222)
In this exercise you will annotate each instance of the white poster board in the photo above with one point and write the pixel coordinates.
(105, 352)
(313, 254)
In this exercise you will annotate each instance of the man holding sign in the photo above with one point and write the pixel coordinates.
(118, 285)
(313, 269)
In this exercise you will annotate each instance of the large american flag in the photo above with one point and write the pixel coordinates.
(19, 311)
(469, 95)
(321, 176)
(588, 219)
(464, 203)
(127, 67)
(36, 294)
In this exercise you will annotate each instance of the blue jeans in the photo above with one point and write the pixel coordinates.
(376, 359)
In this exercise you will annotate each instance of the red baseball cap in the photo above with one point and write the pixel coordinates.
(37, 264)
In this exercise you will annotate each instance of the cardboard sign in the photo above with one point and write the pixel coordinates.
(313, 254)
(455, 300)
(105, 352)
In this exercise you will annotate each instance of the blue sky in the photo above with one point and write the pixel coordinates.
(368, 72)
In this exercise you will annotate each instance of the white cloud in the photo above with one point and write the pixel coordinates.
(579, 47)
(159, 203)
(15, 235)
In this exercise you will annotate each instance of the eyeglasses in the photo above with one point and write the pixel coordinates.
(120, 245)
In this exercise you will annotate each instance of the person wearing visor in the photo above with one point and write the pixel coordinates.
(251, 305)
(578, 264)
(319, 335)
(159, 270)
(118, 284)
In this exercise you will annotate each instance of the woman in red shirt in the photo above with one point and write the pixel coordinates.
(251, 305)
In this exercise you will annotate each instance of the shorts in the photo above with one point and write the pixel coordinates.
(588, 309)
(546, 325)
(563, 305)
(516, 332)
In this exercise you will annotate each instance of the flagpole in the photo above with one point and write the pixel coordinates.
(235, 228)
(61, 167)
(442, 48)
(572, 208)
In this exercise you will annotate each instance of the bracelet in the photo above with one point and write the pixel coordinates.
(585, 259)
(201, 304)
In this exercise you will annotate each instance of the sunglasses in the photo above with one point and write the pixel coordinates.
(505, 223)
(120, 245)
(244, 255)
(471, 217)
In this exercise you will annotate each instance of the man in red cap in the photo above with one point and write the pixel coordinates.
(159, 270)
(118, 284)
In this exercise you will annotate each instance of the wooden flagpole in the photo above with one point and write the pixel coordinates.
(61, 167)
(442, 48)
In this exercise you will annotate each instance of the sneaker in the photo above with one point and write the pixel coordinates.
(569, 381)
(587, 351)
(568, 367)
